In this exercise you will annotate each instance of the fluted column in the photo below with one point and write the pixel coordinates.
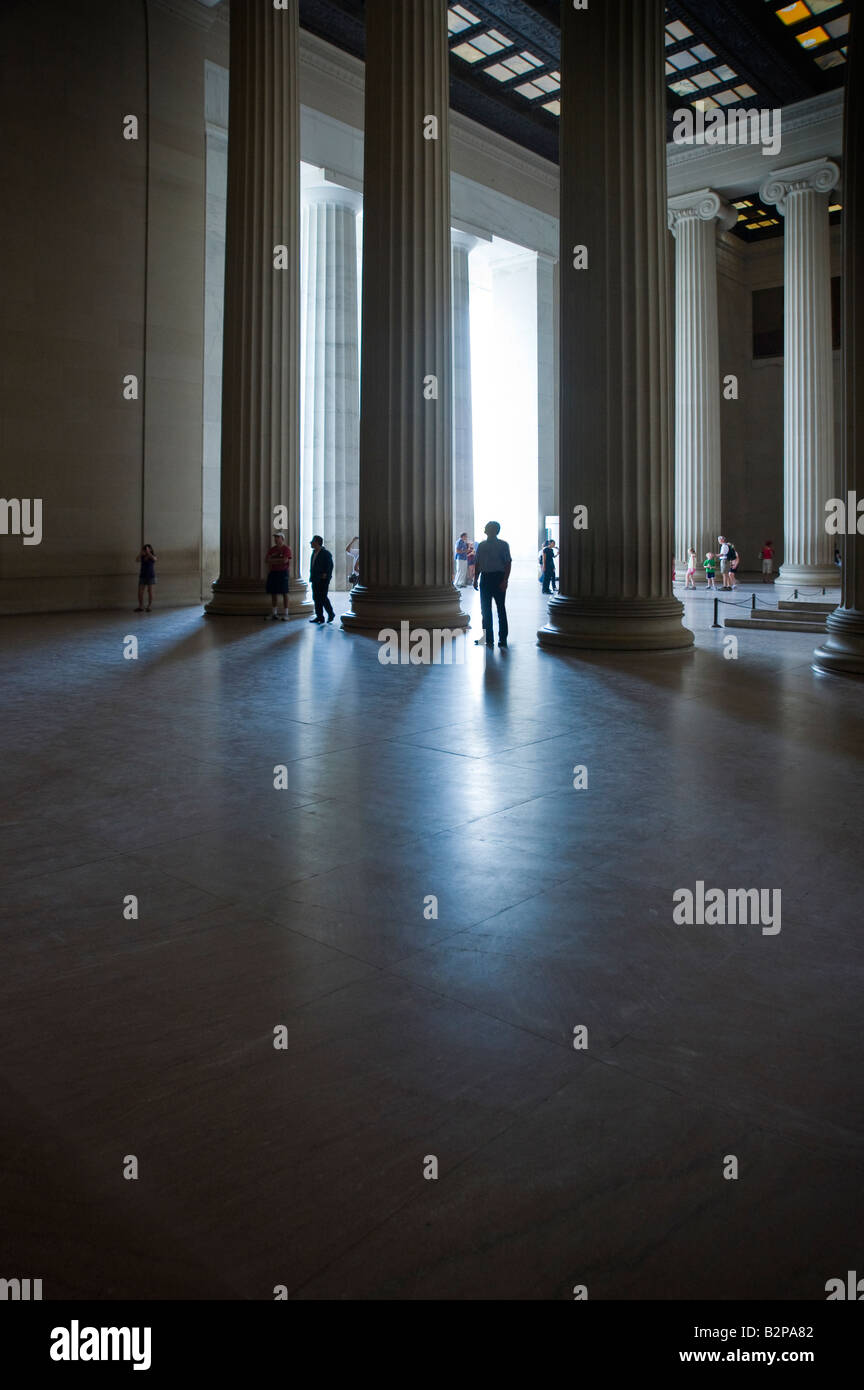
(463, 440)
(693, 220)
(842, 652)
(261, 356)
(548, 393)
(406, 540)
(331, 369)
(616, 572)
(801, 193)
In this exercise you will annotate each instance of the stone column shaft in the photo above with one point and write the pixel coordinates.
(331, 376)
(801, 193)
(261, 355)
(548, 394)
(842, 652)
(615, 575)
(693, 221)
(463, 439)
(406, 526)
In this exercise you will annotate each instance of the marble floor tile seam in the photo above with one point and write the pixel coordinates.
(472, 821)
(106, 851)
(164, 840)
(112, 861)
(516, 1121)
(349, 955)
(383, 973)
(793, 1140)
(327, 907)
(216, 779)
(565, 1043)
(282, 886)
(148, 948)
(496, 756)
(713, 1104)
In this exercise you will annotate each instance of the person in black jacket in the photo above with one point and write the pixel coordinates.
(320, 574)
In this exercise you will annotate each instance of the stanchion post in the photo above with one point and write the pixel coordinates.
(716, 611)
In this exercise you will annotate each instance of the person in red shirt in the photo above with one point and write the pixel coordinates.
(767, 563)
(278, 575)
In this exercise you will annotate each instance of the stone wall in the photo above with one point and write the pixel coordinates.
(103, 279)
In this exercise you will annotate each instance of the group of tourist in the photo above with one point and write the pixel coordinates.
(727, 560)
(489, 559)
(464, 557)
(486, 566)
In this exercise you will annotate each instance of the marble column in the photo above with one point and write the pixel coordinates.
(331, 369)
(463, 440)
(547, 391)
(616, 468)
(261, 353)
(406, 513)
(842, 652)
(693, 220)
(801, 193)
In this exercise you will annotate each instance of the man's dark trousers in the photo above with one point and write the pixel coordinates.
(490, 589)
(320, 599)
(320, 574)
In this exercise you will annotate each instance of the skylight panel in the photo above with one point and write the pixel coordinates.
(522, 62)
(791, 14)
(831, 60)
(499, 72)
(678, 31)
(488, 43)
(553, 106)
(683, 60)
(811, 38)
(469, 53)
(458, 18)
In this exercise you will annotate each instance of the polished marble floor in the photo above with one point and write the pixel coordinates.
(410, 1035)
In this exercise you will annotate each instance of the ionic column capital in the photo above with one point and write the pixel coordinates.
(333, 195)
(704, 205)
(464, 241)
(814, 176)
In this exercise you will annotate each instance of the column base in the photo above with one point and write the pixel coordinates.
(429, 610)
(623, 625)
(842, 653)
(247, 598)
(810, 576)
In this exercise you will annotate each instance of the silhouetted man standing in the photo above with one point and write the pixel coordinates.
(320, 574)
(492, 565)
